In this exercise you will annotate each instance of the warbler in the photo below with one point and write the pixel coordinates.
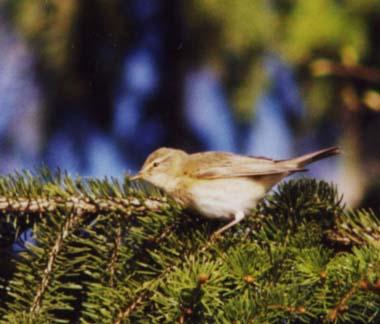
(220, 185)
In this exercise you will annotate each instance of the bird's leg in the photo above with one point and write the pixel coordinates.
(239, 216)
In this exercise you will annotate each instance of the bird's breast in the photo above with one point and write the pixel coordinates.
(223, 198)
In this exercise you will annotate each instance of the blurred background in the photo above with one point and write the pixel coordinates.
(93, 86)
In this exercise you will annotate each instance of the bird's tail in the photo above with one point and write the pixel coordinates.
(306, 159)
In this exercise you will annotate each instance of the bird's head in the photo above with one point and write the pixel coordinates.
(162, 168)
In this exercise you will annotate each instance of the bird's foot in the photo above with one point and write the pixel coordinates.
(239, 216)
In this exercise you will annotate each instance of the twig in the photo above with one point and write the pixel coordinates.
(342, 305)
(68, 226)
(326, 67)
(86, 204)
(126, 312)
(115, 254)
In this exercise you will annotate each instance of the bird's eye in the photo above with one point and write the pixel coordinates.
(155, 164)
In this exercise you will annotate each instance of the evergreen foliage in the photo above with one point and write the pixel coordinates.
(110, 252)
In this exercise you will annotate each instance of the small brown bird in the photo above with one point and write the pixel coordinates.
(218, 184)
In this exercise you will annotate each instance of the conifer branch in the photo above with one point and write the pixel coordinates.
(71, 223)
(290, 309)
(110, 252)
(342, 305)
(360, 227)
(323, 67)
(115, 253)
(82, 204)
(146, 293)
(125, 313)
(140, 251)
(355, 228)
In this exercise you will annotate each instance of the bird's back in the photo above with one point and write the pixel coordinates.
(214, 165)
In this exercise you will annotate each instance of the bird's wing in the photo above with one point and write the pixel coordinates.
(213, 165)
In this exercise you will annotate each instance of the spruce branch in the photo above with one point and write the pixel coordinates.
(359, 227)
(323, 67)
(115, 254)
(342, 304)
(119, 252)
(79, 205)
(125, 313)
(85, 202)
(71, 222)
(26, 196)
(143, 236)
(149, 287)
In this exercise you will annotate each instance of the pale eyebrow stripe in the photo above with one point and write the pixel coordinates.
(159, 161)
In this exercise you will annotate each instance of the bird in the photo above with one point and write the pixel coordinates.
(220, 185)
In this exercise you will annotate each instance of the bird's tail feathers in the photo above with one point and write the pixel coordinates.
(306, 159)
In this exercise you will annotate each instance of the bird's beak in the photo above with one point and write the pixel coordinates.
(136, 177)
